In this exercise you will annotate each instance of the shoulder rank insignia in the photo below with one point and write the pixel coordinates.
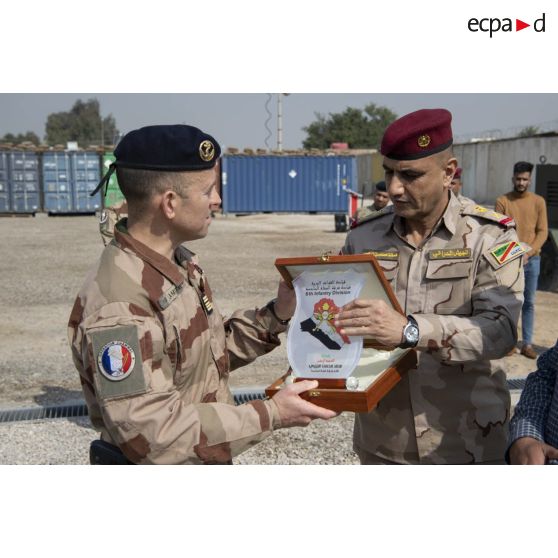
(380, 213)
(489, 214)
(507, 252)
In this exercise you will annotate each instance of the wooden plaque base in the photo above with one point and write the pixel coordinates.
(333, 395)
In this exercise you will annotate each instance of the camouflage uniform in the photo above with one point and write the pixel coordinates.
(108, 219)
(464, 200)
(455, 406)
(365, 212)
(175, 405)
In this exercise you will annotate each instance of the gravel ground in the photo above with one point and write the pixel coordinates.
(44, 261)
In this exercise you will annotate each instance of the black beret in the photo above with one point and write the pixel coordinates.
(381, 186)
(177, 147)
(168, 148)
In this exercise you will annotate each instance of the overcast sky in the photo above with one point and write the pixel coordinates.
(239, 119)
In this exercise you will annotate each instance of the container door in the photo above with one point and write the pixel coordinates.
(56, 182)
(86, 177)
(4, 190)
(24, 182)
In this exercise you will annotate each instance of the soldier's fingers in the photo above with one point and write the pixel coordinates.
(551, 452)
(354, 321)
(305, 385)
(355, 331)
(315, 411)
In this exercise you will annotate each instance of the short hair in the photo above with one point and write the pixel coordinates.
(381, 186)
(522, 166)
(138, 185)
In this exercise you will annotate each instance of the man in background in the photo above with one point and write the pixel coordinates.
(381, 200)
(457, 184)
(529, 212)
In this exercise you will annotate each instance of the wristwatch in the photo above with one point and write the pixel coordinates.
(410, 334)
(271, 307)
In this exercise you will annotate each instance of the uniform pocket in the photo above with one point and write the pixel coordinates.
(390, 269)
(449, 286)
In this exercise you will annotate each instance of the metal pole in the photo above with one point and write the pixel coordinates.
(279, 122)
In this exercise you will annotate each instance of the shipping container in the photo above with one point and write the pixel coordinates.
(68, 179)
(86, 174)
(287, 184)
(57, 190)
(4, 191)
(23, 181)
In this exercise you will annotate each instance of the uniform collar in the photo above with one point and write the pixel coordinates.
(163, 265)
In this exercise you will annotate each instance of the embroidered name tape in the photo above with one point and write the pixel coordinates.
(450, 254)
(384, 255)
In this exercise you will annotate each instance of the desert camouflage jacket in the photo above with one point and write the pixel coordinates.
(154, 356)
(464, 286)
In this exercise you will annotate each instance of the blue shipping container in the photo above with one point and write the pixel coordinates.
(23, 181)
(4, 191)
(57, 190)
(291, 184)
(68, 178)
(86, 174)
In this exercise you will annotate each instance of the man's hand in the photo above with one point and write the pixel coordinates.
(295, 411)
(530, 451)
(525, 258)
(286, 301)
(373, 318)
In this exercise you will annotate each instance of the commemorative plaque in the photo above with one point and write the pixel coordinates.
(355, 372)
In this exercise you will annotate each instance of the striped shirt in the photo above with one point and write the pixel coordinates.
(536, 414)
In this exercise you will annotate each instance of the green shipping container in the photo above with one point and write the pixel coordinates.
(113, 195)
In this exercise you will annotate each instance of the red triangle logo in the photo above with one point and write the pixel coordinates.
(519, 25)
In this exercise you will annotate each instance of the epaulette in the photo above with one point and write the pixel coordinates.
(489, 215)
(380, 213)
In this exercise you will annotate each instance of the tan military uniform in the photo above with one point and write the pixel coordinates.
(464, 200)
(154, 356)
(108, 219)
(369, 212)
(455, 406)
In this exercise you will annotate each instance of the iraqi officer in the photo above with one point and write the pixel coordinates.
(457, 273)
(151, 347)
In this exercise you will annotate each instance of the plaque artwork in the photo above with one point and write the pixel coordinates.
(315, 347)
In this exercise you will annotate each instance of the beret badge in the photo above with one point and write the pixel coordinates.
(207, 150)
(424, 140)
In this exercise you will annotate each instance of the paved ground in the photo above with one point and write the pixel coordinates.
(44, 261)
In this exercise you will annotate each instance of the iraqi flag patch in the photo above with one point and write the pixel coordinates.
(116, 360)
(507, 251)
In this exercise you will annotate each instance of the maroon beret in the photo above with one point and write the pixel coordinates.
(417, 135)
(458, 172)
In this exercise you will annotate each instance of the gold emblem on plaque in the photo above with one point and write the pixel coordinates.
(424, 140)
(207, 150)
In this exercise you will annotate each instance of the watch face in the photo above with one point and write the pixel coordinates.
(412, 334)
